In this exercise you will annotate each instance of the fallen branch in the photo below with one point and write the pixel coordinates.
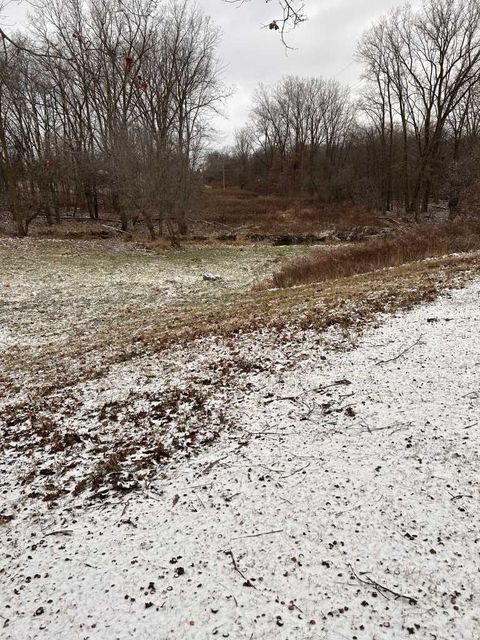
(61, 532)
(402, 353)
(265, 433)
(219, 224)
(382, 589)
(337, 383)
(128, 521)
(257, 535)
(247, 582)
(461, 495)
(107, 226)
(296, 471)
(395, 426)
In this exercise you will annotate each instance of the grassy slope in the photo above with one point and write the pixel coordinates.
(128, 326)
(408, 244)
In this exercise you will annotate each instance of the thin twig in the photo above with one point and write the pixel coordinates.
(60, 532)
(296, 471)
(402, 353)
(382, 589)
(247, 582)
(459, 496)
(257, 535)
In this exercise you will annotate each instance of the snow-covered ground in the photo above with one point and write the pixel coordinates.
(339, 498)
(65, 305)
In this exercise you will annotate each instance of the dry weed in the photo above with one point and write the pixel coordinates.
(409, 245)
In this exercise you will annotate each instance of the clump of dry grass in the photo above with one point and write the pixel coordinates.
(408, 245)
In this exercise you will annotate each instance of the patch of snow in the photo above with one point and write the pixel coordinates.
(341, 500)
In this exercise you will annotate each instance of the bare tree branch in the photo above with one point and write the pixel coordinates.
(292, 14)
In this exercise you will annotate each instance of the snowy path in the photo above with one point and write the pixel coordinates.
(357, 465)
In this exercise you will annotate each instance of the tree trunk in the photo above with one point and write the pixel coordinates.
(120, 211)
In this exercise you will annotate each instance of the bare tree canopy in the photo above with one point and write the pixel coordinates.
(106, 104)
(422, 68)
(411, 137)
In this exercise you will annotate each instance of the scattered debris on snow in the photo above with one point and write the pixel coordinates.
(338, 495)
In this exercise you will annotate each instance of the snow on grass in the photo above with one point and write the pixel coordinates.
(54, 287)
(56, 296)
(340, 499)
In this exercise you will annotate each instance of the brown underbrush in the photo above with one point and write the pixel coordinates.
(410, 244)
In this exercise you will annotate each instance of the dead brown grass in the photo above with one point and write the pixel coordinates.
(248, 212)
(409, 245)
(218, 214)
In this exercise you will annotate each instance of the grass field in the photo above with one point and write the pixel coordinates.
(71, 309)
(63, 303)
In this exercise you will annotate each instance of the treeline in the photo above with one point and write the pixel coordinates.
(411, 137)
(105, 106)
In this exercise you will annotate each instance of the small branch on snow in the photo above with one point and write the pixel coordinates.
(124, 510)
(60, 532)
(381, 588)
(296, 471)
(128, 521)
(247, 582)
(395, 427)
(257, 535)
(337, 383)
(266, 433)
(461, 495)
(402, 353)
(208, 467)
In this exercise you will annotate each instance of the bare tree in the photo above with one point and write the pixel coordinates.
(301, 125)
(112, 112)
(421, 64)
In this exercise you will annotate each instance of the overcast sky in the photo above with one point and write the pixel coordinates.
(324, 46)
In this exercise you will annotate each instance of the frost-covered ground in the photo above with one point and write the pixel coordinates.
(52, 289)
(63, 303)
(338, 496)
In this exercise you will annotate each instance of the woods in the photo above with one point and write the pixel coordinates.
(104, 108)
(409, 137)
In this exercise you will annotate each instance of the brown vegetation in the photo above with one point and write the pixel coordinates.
(241, 211)
(228, 215)
(413, 243)
(346, 302)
